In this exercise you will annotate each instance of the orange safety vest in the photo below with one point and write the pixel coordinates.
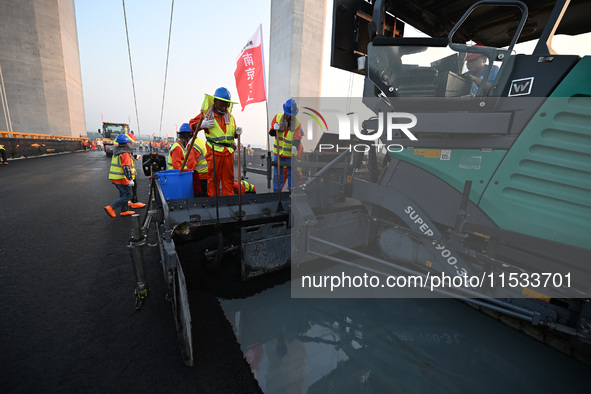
(174, 146)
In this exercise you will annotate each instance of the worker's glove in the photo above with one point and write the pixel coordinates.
(276, 126)
(138, 157)
(294, 150)
(207, 123)
(131, 183)
(238, 130)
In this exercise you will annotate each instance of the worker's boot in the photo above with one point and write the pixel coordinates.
(127, 213)
(110, 211)
(136, 205)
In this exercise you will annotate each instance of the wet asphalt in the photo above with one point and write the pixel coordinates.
(68, 321)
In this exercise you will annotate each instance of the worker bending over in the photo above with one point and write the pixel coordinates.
(245, 187)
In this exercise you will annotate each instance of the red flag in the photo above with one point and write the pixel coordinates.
(250, 71)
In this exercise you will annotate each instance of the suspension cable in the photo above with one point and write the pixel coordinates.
(131, 68)
(166, 70)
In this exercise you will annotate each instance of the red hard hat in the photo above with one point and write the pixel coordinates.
(471, 56)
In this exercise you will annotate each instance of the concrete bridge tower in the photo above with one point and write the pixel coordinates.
(40, 64)
(295, 50)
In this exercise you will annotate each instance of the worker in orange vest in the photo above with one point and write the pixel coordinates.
(120, 174)
(198, 154)
(177, 154)
(134, 203)
(220, 131)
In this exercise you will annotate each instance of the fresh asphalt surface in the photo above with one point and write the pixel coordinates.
(68, 321)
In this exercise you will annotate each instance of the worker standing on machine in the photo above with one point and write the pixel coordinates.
(178, 150)
(177, 154)
(220, 131)
(120, 174)
(287, 130)
(200, 173)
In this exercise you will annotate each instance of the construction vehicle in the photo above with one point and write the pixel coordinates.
(109, 132)
(156, 144)
(481, 194)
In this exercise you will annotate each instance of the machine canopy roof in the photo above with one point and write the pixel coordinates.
(489, 25)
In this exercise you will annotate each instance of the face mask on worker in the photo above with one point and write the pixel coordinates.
(184, 140)
(220, 106)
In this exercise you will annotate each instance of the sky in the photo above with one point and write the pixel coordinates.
(202, 57)
(205, 40)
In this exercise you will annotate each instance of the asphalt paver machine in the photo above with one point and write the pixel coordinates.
(486, 184)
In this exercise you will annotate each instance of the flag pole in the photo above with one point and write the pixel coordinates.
(269, 172)
(267, 112)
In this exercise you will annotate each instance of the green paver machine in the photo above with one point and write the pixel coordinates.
(481, 180)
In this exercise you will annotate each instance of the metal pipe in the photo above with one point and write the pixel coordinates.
(279, 172)
(239, 183)
(315, 177)
(136, 245)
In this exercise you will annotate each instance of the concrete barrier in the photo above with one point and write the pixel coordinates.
(23, 145)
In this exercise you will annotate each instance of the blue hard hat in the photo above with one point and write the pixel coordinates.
(222, 94)
(185, 128)
(122, 139)
(291, 107)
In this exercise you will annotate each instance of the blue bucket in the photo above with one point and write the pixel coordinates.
(175, 184)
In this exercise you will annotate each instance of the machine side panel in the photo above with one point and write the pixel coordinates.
(543, 186)
(456, 166)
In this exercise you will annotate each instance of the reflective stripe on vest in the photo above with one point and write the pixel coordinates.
(170, 154)
(285, 141)
(248, 187)
(116, 171)
(199, 146)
